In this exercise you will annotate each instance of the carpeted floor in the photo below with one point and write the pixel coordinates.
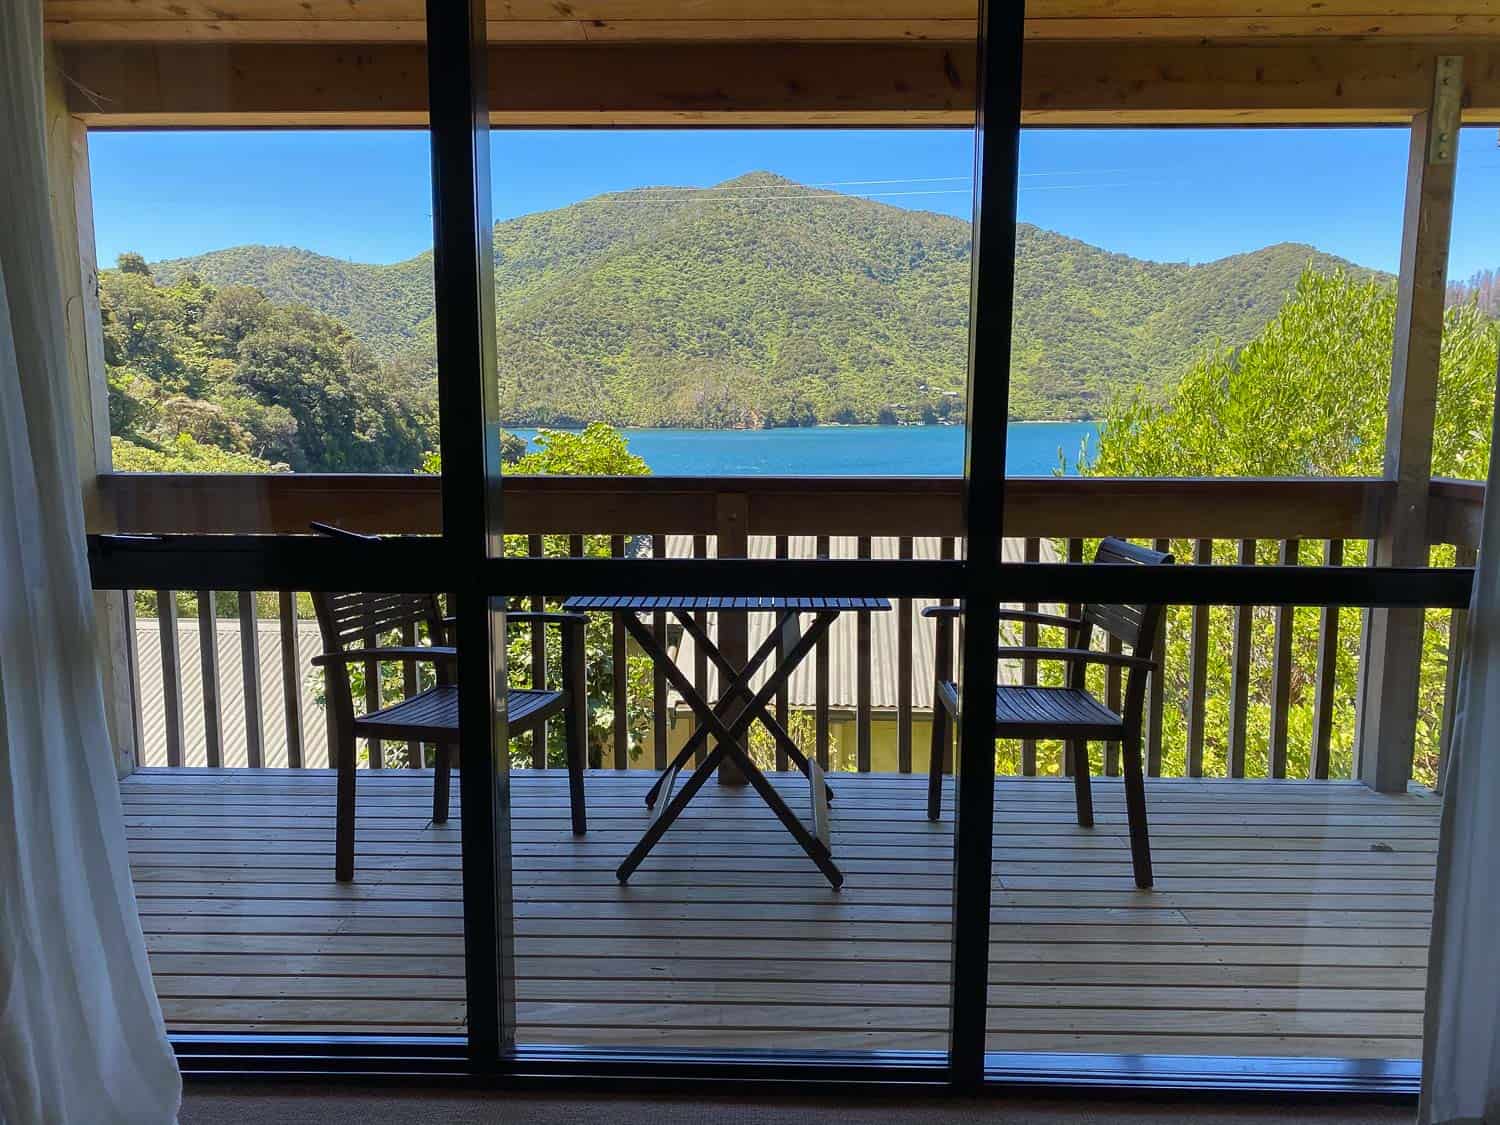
(214, 1104)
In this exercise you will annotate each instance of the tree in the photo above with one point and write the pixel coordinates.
(1305, 397)
(131, 262)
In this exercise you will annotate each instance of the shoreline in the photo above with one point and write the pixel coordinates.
(574, 428)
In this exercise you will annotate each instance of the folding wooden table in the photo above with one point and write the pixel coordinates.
(739, 705)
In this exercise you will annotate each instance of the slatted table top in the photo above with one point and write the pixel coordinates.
(703, 603)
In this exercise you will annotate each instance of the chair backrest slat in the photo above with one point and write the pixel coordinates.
(1133, 625)
(347, 619)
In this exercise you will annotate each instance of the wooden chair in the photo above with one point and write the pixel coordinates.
(1070, 713)
(351, 625)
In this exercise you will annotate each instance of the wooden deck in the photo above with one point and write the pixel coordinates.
(1290, 918)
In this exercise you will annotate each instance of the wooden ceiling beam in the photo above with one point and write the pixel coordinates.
(830, 83)
(1221, 28)
(634, 21)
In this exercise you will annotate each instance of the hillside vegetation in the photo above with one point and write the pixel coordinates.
(221, 379)
(762, 302)
(1306, 397)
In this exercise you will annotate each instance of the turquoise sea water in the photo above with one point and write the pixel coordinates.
(1032, 449)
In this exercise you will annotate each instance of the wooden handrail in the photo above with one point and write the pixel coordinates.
(921, 506)
(1454, 511)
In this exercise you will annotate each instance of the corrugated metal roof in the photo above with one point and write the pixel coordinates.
(231, 694)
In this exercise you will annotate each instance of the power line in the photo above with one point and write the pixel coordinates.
(701, 195)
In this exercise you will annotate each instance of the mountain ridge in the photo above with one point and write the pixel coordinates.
(761, 301)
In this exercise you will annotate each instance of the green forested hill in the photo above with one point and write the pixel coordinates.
(764, 302)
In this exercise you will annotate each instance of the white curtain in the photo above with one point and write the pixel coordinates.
(81, 1034)
(1461, 1055)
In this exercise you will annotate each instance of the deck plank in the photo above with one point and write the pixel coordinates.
(1288, 918)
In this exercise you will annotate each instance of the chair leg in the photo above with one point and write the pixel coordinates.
(442, 770)
(576, 720)
(1083, 790)
(344, 810)
(935, 766)
(1135, 811)
(575, 732)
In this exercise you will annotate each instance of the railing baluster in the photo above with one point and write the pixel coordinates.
(783, 702)
(208, 656)
(1113, 689)
(862, 677)
(1281, 671)
(1198, 670)
(1328, 668)
(820, 700)
(250, 679)
(1458, 643)
(620, 678)
(1072, 749)
(577, 548)
(659, 675)
(1155, 691)
(409, 689)
(536, 547)
(171, 673)
(1030, 637)
(1242, 641)
(291, 677)
(700, 658)
(376, 758)
(903, 670)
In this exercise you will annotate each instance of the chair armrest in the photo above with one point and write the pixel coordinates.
(334, 532)
(1084, 655)
(563, 618)
(943, 611)
(1007, 615)
(438, 654)
(1038, 618)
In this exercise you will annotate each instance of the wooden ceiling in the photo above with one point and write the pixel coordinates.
(667, 21)
(207, 63)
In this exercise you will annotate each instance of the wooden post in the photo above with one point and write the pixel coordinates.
(1393, 646)
(73, 235)
(732, 541)
(1458, 643)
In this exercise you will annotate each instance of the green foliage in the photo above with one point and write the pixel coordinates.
(1306, 397)
(185, 454)
(762, 302)
(599, 449)
(224, 380)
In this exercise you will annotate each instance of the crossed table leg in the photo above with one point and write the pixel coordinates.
(668, 805)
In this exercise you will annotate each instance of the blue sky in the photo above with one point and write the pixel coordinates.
(1169, 195)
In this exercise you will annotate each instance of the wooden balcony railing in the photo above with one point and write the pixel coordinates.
(1265, 522)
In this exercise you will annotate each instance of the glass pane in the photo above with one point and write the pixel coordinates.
(265, 312)
(1289, 911)
(701, 304)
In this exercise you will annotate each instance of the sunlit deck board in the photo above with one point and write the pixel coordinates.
(1289, 918)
